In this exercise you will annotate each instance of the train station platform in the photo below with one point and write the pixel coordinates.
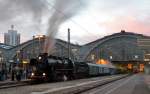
(147, 80)
(134, 84)
(8, 81)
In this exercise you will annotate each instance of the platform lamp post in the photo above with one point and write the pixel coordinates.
(69, 43)
(33, 47)
(18, 56)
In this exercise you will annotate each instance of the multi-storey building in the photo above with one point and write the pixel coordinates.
(12, 37)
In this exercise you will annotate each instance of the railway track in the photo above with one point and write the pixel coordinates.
(14, 84)
(83, 86)
(105, 84)
(97, 84)
(75, 89)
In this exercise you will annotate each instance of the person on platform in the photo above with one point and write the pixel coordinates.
(13, 74)
(18, 73)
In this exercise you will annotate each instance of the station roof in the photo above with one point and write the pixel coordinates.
(86, 47)
(4, 46)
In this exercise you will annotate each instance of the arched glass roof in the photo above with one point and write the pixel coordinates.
(4, 46)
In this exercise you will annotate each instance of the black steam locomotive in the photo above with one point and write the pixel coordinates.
(53, 68)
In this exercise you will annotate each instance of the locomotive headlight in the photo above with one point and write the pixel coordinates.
(44, 74)
(32, 74)
(40, 58)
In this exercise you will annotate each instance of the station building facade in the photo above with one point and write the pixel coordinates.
(123, 46)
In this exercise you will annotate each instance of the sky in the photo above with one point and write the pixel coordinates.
(88, 19)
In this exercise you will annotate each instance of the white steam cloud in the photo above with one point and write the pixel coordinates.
(63, 10)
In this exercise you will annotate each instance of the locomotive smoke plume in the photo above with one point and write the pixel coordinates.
(63, 10)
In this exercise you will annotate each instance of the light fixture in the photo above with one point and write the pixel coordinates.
(32, 74)
(44, 74)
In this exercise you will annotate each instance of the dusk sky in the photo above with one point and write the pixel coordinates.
(92, 20)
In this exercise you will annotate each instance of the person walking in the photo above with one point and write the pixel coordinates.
(18, 73)
(13, 74)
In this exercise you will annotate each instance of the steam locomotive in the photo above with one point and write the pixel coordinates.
(53, 68)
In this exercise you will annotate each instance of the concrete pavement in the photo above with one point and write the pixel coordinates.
(131, 85)
(136, 84)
